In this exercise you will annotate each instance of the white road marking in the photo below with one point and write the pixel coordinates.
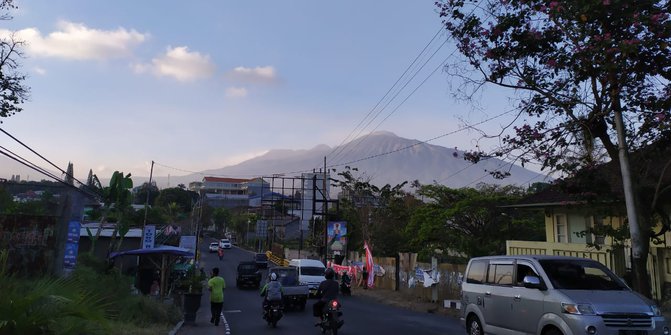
(228, 328)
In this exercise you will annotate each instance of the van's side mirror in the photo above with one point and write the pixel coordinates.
(532, 282)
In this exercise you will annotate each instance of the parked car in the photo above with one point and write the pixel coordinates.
(310, 272)
(261, 260)
(294, 294)
(553, 295)
(214, 246)
(248, 275)
(225, 243)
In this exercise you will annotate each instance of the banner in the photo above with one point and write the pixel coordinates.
(148, 237)
(370, 266)
(72, 245)
(336, 232)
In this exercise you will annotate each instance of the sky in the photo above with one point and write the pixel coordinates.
(202, 85)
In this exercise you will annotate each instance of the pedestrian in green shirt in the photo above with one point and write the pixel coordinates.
(216, 285)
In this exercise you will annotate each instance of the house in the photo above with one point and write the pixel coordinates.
(225, 192)
(579, 211)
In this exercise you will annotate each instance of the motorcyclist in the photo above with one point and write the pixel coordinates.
(271, 291)
(327, 291)
(345, 281)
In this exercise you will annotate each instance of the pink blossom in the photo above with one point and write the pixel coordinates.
(606, 2)
(660, 117)
(552, 63)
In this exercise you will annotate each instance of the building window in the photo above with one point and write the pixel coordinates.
(561, 229)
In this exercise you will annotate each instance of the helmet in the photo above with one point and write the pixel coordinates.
(329, 273)
(273, 276)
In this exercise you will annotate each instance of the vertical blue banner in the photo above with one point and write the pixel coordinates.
(148, 237)
(72, 245)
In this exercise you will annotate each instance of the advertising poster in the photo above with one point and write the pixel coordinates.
(337, 237)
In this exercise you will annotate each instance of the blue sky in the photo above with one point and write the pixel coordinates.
(206, 84)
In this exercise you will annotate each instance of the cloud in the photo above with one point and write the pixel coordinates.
(39, 70)
(179, 63)
(259, 74)
(236, 92)
(77, 41)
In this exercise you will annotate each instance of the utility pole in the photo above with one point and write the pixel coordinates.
(326, 214)
(146, 201)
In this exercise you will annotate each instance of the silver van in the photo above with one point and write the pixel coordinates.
(553, 295)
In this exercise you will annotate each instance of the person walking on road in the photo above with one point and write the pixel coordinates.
(216, 285)
(220, 252)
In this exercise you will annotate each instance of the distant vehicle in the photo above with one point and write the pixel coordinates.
(261, 260)
(214, 246)
(310, 272)
(248, 275)
(294, 294)
(225, 243)
(233, 238)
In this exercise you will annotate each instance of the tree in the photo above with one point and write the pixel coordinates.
(590, 76)
(12, 90)
(140, 196)
(221, 217)
(374, 214)
(471, 221)
(183, 198)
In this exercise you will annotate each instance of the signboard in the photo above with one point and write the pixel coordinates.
(337, 237)
(71, 245)
(188, 242)
(148, 237)
(262, 229)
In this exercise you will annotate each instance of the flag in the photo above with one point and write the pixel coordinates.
(370, 266)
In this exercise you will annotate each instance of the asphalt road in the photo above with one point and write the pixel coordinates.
(242, 309)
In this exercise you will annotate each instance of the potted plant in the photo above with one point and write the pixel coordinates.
(193, 291)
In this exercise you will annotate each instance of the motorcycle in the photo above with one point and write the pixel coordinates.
(273, 313)
(331, 318)
(346, 288)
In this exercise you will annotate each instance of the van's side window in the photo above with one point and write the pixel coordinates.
(477, 272)
(523, 270)
(500, 274)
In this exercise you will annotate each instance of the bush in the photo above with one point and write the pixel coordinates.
(143, 311)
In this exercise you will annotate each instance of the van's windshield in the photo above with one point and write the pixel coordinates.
(580, 275)
(312, 271)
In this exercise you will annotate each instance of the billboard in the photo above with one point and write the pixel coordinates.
(337, 237)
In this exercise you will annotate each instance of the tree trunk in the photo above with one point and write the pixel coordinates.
(640, 244)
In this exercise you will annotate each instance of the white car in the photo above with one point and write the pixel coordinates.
(225, 243)
(214, 246)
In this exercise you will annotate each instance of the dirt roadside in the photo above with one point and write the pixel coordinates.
(398, 299)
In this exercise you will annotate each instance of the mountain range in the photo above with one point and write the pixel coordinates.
(381, 157)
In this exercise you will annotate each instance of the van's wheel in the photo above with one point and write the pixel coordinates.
(553, 331)
(474, 327)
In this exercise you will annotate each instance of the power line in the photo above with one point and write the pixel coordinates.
(36, 153)
(13, 156)
(340, 146)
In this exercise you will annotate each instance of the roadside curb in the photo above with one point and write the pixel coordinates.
(177, 328)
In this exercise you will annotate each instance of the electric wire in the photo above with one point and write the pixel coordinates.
(11, 155)
(335, 150)
(36, 153)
